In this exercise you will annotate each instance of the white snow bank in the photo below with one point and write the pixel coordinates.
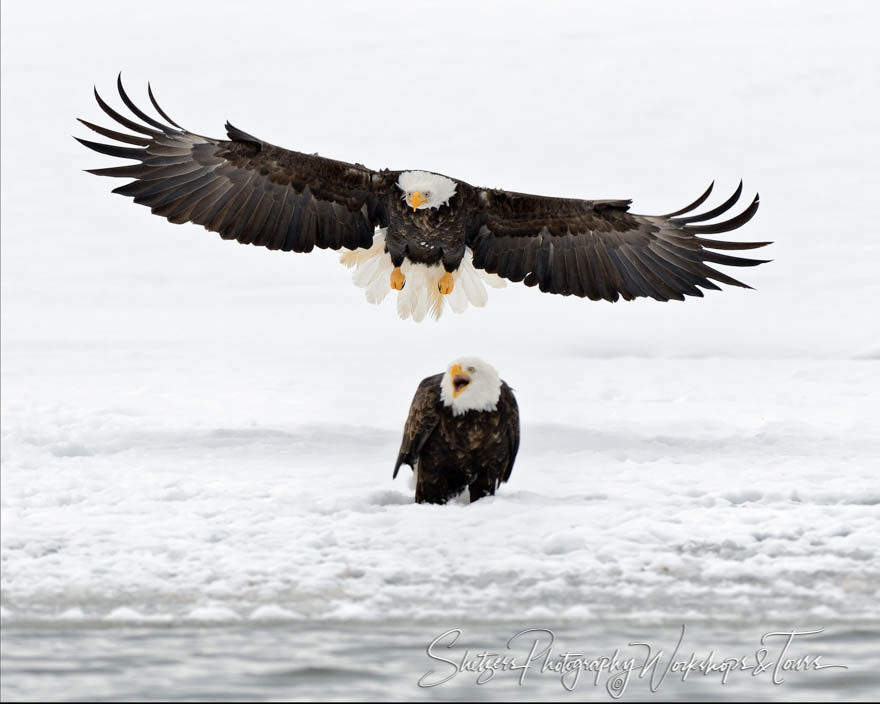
(688, 492)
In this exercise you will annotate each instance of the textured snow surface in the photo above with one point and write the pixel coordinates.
(196, 431)
(695, 488)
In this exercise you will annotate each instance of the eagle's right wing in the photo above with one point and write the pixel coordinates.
(421, 422)
(244, 188)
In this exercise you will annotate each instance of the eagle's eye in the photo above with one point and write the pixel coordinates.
(427, 195)
(471, 370)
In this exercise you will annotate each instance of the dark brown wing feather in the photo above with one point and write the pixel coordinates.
(599, 250)
(509, 410)
(421, 422)
(243, 188)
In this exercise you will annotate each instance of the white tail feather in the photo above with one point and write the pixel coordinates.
(420, 295)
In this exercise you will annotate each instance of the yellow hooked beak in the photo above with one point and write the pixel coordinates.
(415, 200)
(460, 380)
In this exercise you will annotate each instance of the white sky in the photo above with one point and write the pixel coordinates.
(643, 100)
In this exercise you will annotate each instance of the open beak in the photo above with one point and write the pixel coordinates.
(415, 200)
(460, 380)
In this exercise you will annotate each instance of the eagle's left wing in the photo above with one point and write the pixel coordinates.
(510, 410)
(599, 250)
(244, 188)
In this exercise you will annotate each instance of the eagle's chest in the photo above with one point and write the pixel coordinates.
(471, 434)
(424, 236)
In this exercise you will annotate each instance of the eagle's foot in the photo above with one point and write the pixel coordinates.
(446, 283)
(398, 280)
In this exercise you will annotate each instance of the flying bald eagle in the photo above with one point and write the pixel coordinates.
(462, 432)
(438, 238)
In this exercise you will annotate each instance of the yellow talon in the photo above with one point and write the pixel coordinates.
(446, 283)
(397, 279)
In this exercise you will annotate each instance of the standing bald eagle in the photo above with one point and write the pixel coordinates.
(462, 432)
(439, 238)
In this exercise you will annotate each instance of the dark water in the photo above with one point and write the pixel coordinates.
(362, 662)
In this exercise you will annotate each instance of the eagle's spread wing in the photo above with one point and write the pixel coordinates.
(598, 249)
(243, 188)
(420, 423)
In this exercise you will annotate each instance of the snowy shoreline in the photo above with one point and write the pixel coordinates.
(704, 511)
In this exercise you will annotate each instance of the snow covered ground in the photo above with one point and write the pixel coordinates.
(196, 433)
(704, 488)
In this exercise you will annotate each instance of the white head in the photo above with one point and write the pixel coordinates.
(470, 384)
(422, 189)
